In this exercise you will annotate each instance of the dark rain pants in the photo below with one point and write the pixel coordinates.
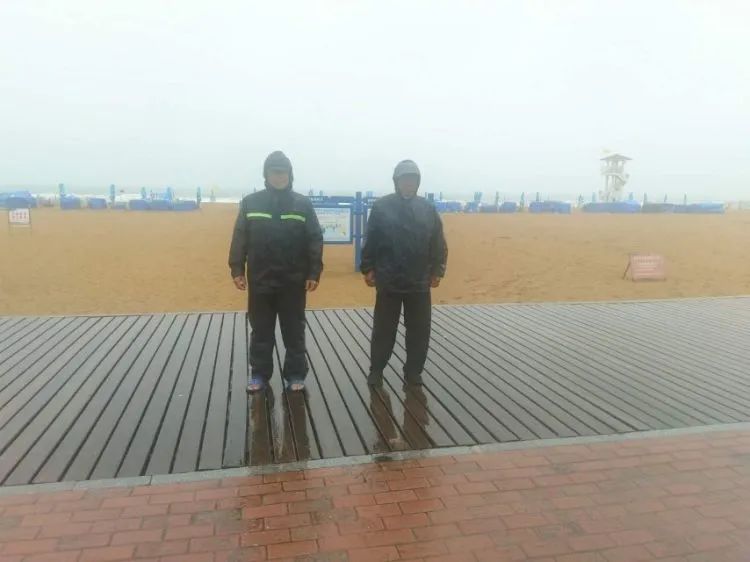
(417, 319)
(263, 309)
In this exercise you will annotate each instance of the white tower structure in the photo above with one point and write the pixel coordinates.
(615, 178)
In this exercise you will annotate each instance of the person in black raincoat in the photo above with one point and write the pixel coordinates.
(404, 257)
(277, 252)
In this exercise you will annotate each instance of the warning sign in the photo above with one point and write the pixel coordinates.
(646, 267)
(19, 217)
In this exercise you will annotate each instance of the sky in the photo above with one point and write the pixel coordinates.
(489, 96)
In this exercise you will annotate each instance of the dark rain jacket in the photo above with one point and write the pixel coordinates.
(278, 238)
(404, 244)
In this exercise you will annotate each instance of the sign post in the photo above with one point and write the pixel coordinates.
(359, 213)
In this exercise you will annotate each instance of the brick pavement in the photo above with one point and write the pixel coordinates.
(672, 499)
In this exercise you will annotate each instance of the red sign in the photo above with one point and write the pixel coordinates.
(646, 267)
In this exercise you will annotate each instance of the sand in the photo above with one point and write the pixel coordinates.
(97, 262)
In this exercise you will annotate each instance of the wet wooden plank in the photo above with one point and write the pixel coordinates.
(26, 386)
(8, 325)
(214, 435)
(552, 343)
(431, 420)
(720, 315)
(648, 326)
(36, 352)
(633, 372)
(521, 415)
(143, 441)
(347, 406)
(282, 436)
(90, 438)
(259, 444)
(115, 427)
(17, 327)
(11, 326)
(164, 450)
(585, 386)
(59, 436)
(28, 339)
(556, 410)
(30, 412)
(194, 422)
(235, 448)
(355, 365)
(324, 401)
(341, 401)
(695, 355)
(581, 410)
(465, 401)
(297, 416)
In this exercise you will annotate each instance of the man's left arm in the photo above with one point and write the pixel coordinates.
(438, 251)
(315, 248)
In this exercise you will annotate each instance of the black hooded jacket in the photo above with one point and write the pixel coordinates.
(404, 244)
(277, 237)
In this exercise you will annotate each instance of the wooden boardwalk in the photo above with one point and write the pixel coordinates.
(114, 396)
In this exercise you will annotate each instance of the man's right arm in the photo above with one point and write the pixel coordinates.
(238, 247)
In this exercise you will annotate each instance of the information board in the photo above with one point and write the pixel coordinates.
(336, 223)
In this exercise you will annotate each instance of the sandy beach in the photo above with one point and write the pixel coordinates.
(97, 262)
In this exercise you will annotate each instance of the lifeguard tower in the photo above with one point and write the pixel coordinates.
(615, 178)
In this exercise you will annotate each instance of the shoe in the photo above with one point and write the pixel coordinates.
(294, 385)
(255, 384)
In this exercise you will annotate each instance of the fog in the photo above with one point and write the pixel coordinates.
(485, 96)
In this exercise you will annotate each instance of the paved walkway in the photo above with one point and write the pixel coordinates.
(668, 499)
